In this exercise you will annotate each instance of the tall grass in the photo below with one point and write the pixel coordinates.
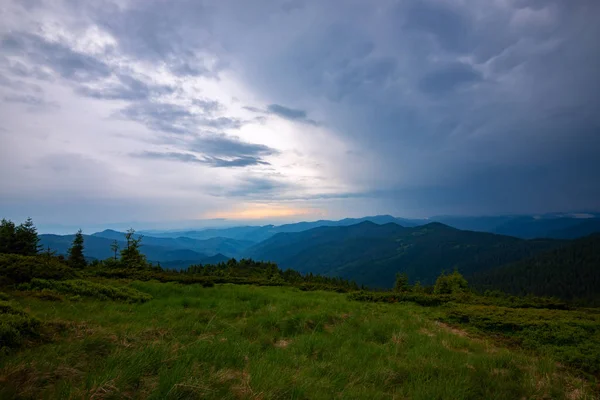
(232, 341)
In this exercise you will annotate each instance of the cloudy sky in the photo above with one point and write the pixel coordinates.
(161, 111)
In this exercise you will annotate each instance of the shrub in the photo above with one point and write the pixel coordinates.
(391, 297)
(15, 325)
(47, 294)
(89, 289)
(571, 337)
(15, 268)
(450, 284)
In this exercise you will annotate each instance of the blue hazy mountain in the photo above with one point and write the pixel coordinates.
(372, 254)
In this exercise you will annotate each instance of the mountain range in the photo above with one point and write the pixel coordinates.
(369, 250)
(372, 254)
(556, 226)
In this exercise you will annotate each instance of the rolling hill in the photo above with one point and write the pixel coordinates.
(257, 234)
(569, 272)
(215, 245)
(97, 247)
(557, 226)
(371, 254)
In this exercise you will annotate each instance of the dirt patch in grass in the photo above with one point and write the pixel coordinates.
(155, 334)
(398, 338)
(426, 332)
(448, 346)
(282, 343)
(451, 329)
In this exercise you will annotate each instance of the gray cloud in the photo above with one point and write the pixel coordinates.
(216, 162)
(448, 78)
(128, 88)
(254, 187)
(36, 102)
(17, 68)
(290, 114)
(450, 27)
(173, 118)
(68, 63)
(453, 106)
(163, 34)
(228, 146)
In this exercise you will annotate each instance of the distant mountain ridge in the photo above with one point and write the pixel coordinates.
(372, 254)
(557, 226)
(99, 247)
(259, 233)
(211, 246)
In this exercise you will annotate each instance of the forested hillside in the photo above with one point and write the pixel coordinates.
(568, 272)
(372, 254)
(170, 252)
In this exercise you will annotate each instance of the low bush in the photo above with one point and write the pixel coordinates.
(571, 337)
(462, 298)
(88, 289)
(47, 294)
(393, 297)
(15, 268)
(15, 325)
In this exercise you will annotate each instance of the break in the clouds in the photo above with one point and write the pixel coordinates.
(188, 110)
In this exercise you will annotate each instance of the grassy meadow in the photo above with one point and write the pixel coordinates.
(250, 342)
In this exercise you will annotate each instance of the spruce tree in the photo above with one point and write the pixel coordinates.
(115, 248)
(401, 284)
(7, 236)
(76, 258)
(131, 255)
(26, 242)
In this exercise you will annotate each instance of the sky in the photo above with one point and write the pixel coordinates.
(160, 112)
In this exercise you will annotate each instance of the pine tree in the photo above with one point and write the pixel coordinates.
(401, 284)
(7, 236)
(26, 240)
(49, 254)
(131, 255)
(115, 248)
(76, 258)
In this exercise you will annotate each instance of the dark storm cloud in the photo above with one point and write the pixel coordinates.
(448, 78)
(488, 106)
(450, 27)
(163, 33)
(438, 91)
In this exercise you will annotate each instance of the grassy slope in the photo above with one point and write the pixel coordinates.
(268, 342)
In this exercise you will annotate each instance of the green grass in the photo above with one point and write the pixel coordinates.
(238, 341)
(80, 287)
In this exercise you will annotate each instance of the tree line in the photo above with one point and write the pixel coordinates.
(130, 262)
